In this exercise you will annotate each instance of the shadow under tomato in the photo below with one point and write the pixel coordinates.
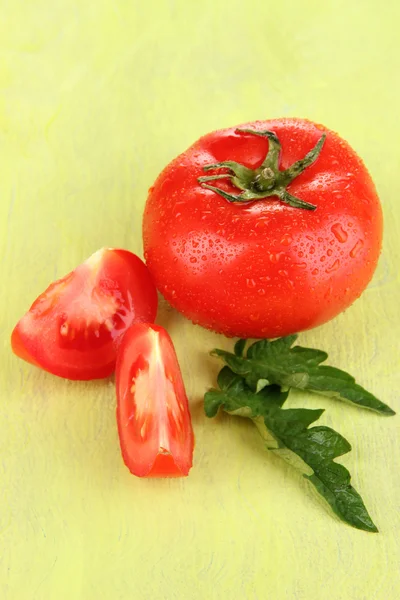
(167, 316)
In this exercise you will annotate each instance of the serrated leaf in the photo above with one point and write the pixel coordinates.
(315, 446)
(234, 393)
(239, 347)
(278, 363)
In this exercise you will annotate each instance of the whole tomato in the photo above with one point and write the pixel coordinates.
(263, 230)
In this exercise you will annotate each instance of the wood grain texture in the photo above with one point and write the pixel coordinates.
(95, 98)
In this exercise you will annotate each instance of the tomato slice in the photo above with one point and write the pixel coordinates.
(154, 424)
(75, 327)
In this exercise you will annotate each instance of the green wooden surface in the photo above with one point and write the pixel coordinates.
(95, 98)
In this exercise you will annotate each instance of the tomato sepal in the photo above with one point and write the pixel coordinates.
(267, 180)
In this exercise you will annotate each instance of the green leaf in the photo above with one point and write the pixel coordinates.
(316, 447)
(234, 393)
(239, 347)
(278, 363)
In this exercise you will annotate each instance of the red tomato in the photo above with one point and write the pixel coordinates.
(75, 327)
(256, 262)
(153, 416)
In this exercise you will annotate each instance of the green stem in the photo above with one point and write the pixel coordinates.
(267, 180)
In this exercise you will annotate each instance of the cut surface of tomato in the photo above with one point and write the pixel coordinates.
(153, 415)
(74, 328)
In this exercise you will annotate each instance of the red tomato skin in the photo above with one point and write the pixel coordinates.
(36, 337)
(264, 269)
(141, 452)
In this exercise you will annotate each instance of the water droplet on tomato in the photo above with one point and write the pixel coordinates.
(301, 254)
(204, 257)
(283, 273)
(323, 258)
(312, 249)
(260, 223)
(315, 271)
(301, 265)
(286, 240)
(275, 257)
(339, 233)
(261, 292)
(333, 267)
(250, 283)
(356, 249)
(193, 259)
(329, 252)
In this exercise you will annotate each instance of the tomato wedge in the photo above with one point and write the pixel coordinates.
(154, 424)
(75, 327)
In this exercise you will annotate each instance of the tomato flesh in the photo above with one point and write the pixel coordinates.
(74, 328)
(154, 424)
(263, 268)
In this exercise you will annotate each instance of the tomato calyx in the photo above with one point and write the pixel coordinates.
(267, 180)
